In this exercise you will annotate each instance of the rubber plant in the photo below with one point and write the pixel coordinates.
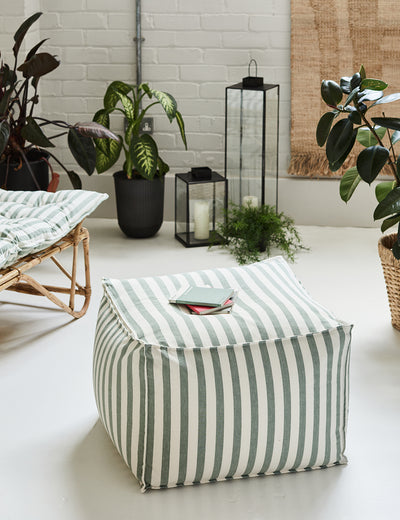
(21, 131)
(354, 100)
(140, 150)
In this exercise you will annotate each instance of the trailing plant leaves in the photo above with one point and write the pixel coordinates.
(4, 135)
(383, 188)
(39, 65)
(167, 102)
(324, 127)
(111, 96)
(349, 183)
(389, 222)
(389, 205)
(371, 161)
(387, 99)
(75, 180)
(22, 30)
(373, 84)
(144, 155)
(339, 140)
(388, 122)
(367, 138)
(34, 134)
(331, 92)
(181, 125)
(83, 150)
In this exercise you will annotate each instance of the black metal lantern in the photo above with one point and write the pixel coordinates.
(199, 205)
(252, 141)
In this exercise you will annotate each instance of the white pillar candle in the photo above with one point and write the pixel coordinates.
(250, 200)
(201, 220)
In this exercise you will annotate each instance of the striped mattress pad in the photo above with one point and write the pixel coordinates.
(33, 220)
(189, 399)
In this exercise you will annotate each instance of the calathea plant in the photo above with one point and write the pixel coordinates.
(354, 97)
(140, 150)
(21, 132)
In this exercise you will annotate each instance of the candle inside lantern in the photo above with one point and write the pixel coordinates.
(201, 220)
(250, 200)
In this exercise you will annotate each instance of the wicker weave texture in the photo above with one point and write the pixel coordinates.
(391, 272)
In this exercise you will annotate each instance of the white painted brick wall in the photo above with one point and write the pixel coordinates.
(192, 49)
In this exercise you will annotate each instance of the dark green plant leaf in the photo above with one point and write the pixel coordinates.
(388, 122)
(362, 72)
(108, 154)
(383, 188)
(338, 164)
(324, 127)
(4, 135)
(331, 92)
(111, 96)
(349, 183)
(39, 65)
(339, 140)
(395, 137)
(355, 80)
(373, 84)
(22, 30)
(145, 87)
(32, 52)
(5, 100)
(162, 166)
(181, 125)
(389, 222)
(367, 138)
(345, 84)
(355, 117)
(389, 205)
(75, 180)
(370, 95)
(34, 134)
(387, 99)
(83, 150)
(103, 118)
(127, 103)
(371, 161)
(167, 102)
(352, 95)
(132, 129)
(144, 155)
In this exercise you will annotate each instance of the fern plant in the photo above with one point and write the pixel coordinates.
(250, 233)
(141, 151)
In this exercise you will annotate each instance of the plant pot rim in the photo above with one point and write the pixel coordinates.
(120, 174)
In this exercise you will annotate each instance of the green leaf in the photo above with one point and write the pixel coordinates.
(389, 205)
(181, 125)
(367, 138)
(349, 183)
(324, 127)
(351, 96)
(32, 52)
(111, 96)
(383, 188)
(389, 222)
(373, 84)
(83, 150)
(39, 65)
(107, 153)
(127, 103)
(387, 99)
(339, 140)
(162, 166)
(395, 137)
(4, 135)
(103, 118)
(371, 161)
(22, 30)
(355, 117)
(144, 155)
(145, 87)
(167, 102)
(34, 134)
(331, 92)
(370, 95)
(388, 122)
(75, 180)
(345, 84)
(338, 164)
(362, 72)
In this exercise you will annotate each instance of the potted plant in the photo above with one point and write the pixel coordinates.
(139, 186)
(249, 231)
(352, 100)
(24, 147)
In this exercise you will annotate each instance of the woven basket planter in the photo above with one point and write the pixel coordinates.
(391, 272)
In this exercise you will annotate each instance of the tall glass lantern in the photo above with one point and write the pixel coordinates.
(252, 142)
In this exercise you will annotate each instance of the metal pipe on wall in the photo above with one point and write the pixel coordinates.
(138, 39)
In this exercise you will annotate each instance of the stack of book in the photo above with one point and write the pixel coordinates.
(205, 300)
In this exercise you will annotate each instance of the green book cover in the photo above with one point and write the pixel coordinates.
(207, 296)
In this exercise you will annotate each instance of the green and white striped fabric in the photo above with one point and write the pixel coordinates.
(33, 220)
(190, 399)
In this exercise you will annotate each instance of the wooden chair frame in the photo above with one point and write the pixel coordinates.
(13, 278)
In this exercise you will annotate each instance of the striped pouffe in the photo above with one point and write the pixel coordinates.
(189, 399)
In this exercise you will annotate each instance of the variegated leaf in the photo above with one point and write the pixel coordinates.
(144, 155)
(168, 103)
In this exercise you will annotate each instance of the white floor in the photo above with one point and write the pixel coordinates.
(56, 461)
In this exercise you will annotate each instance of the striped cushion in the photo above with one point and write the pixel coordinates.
(33, 220)
(189, 399)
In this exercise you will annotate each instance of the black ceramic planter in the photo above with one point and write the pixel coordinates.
(140, 205)
(21, 179)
